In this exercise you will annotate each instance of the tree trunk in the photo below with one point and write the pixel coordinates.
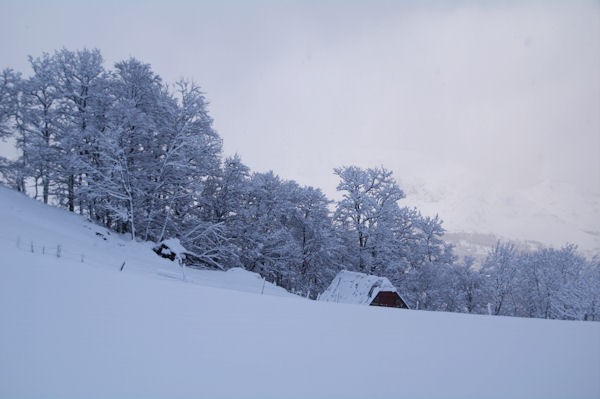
(71, 193)
(46, 189)
(131, 218)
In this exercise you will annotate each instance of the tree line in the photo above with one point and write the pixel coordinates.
(141, 157)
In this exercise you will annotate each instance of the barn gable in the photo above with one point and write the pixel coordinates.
(389, 299)
(362, 289)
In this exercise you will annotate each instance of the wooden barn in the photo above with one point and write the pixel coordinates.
(363, 289)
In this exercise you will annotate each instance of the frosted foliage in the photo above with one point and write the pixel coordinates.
(9, 91)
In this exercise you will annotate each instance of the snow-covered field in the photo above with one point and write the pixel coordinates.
(85, 329)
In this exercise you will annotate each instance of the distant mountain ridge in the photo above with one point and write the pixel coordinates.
(550, 213)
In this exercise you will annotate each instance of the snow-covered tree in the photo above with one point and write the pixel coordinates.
(187, 156)
(587, 293)
(283, 231)
(470, 286)
(265, 243)
(130, 144)
(12, 172)
(500, 268)
(312, 228)
(84, 101)
(224, 198)
(10, 86)
(225, 192)
(553, 284)
(369, 204)
(38, 121)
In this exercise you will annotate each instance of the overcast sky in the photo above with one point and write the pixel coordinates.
(503, 95)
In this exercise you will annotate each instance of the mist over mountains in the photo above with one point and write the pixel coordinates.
(548, 213)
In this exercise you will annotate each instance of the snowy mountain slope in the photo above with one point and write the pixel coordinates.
(549, 213)
(478, 245)
(31, 227)
(70, 329)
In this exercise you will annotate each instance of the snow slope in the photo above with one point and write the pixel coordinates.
(27, 223)
(86, 330)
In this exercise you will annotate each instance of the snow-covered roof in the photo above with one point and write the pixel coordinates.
(175, 246)
(356, 288)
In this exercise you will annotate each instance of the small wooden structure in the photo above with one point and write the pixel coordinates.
(171, 249)
(390, 299)
(363, 289)
(164, 251)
